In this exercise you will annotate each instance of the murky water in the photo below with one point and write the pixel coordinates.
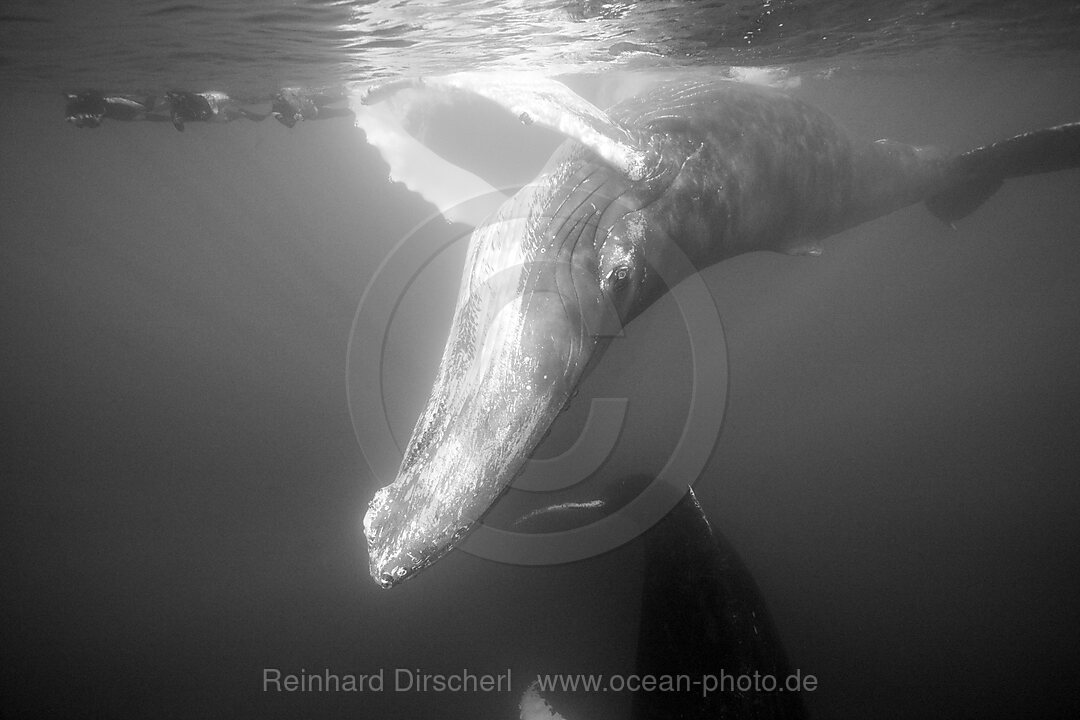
(898, 460)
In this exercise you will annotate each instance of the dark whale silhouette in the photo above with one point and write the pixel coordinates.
(704, 627)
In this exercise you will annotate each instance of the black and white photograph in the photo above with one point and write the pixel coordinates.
(560, 360)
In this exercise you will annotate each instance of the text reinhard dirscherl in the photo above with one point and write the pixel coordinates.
(416, 680)
(400, 680)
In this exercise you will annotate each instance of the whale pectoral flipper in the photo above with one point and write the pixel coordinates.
(539, 100)
(974, 176)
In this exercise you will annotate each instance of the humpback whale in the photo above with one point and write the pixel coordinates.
(700, 170)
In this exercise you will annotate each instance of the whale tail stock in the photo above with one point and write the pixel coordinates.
(974, 176)
(702, 616)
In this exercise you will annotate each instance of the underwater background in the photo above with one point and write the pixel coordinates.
(183, 490)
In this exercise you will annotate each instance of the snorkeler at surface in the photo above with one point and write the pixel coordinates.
(291, 105)
(210, 106)
(88, 109)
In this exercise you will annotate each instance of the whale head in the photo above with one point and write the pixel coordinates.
(548, 279)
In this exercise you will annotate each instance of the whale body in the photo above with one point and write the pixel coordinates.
(638, 196)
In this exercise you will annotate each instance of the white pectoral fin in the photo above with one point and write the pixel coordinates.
(540, 100)
(459, 195)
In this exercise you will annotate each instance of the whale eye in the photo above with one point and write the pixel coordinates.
(619, 277)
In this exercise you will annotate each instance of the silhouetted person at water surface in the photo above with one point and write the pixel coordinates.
(87, 109)
(291, 105)
(210, 106)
